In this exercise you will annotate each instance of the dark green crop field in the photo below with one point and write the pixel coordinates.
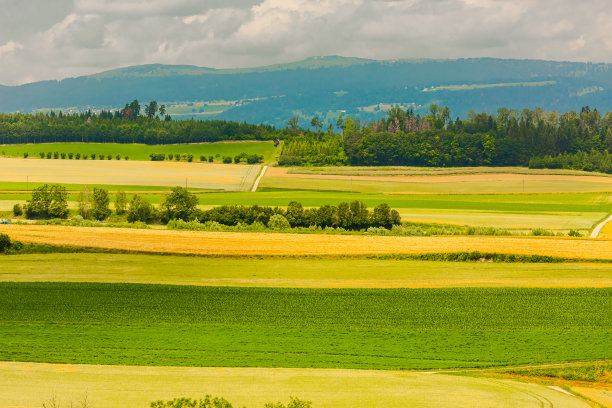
(350, 328)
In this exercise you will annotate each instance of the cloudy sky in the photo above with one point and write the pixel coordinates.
(54, 39)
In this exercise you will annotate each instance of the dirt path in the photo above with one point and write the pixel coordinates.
(599, 227)
(261, 175)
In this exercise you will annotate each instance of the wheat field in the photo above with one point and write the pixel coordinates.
(245, 243)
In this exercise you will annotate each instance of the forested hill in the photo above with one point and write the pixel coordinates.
(325, 86)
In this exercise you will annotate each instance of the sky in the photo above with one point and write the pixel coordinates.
(55, 39)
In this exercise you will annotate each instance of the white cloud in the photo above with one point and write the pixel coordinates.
(94, 35)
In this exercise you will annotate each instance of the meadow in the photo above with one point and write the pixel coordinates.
(297, 272)
(324, 328)
(137, 151)
(27, 384)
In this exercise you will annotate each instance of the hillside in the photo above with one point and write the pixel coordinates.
(326, 86)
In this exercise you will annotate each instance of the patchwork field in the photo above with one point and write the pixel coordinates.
(278, 177)
(195, 175)
(325, 328)
(27, 385)
(141, 151)
(245, 243)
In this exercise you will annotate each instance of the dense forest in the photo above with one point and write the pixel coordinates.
(506, 139)
(133, 124)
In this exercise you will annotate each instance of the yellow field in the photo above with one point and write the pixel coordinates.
(142, 173)
(238, 243)
(606, 231)
(28, 385)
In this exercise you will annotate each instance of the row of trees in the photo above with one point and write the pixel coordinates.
(50, 201)
(239, 158)
(350, 216)
(77, 156)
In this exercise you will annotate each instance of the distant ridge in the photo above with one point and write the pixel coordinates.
(327, 86)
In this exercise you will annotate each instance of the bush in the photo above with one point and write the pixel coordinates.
(278, 222)
(190, 158)
(63, 155)
(78, 156)
(55, 155)
(109, 157)
(120, 203)
(93, 156)
(170, 156)
(42, 155)
(202, 158)
(117, 157)
(211, 159)
(254, 158)
(17, 210)
(159, 156)
(126, 158)
(49, 155)
(207, 402)
(574, 233)
(101, 157)
(541, 232)
(5, 243)
(227, 159)
(70, 156)
(25, 155)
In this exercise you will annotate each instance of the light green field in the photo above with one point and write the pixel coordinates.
(28, 385)
(464, 187)
(297, 272)
(142, 151)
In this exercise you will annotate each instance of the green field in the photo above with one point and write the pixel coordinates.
(141, 151)
(334, 328)
(313, 272)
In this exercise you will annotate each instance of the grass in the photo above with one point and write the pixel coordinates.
(297, 272)
(28, 385)
(599, 372)
(142, 151)
(325, 328)
(258, 243)
(433, 171)
(464, 187)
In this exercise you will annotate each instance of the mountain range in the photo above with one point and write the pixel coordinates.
(327, 86)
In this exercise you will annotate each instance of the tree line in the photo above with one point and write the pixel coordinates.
(51, 201)
(508, 138)
(127, 125)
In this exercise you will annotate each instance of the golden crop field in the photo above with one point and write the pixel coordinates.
(244, 243)
(234, 177)
(28, 385)
(606, 231)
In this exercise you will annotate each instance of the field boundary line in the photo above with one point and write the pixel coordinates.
(599, 227)
(256, 184)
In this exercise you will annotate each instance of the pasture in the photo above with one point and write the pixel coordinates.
(235, 177)
(298, 272)
(418, 329)
(246, 243)
(27, 385)
(141, 151)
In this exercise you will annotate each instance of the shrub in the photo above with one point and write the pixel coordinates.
(190, 158)
(574, 233)
(202, 158)
(63, 155)
(17, 210)
(101, 157)
(159, 157)
(77, 156)
(254, 158)
(207, 402)
(70, 155)
(109, 157)
(93, 156)
(227, 159)
(25, 155)
(278, 222)
(55, 155)
(49, 155)
(42, 155)
(541, 232)
(211, 159)
(5, 243)
(117, 157)
(170, 156)
(177, 157)
(126, 158)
